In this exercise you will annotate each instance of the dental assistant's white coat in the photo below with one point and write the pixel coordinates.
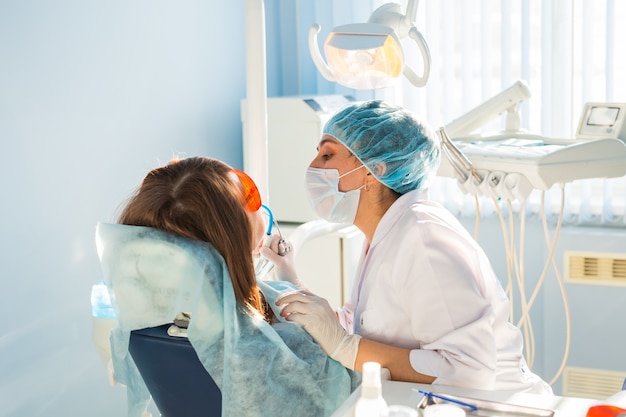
(426, 285)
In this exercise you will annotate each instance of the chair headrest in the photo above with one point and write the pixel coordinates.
(153, 275)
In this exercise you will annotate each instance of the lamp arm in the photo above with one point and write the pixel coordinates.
(390, 14)
(316, 55)
(411, 11)
(416, 80)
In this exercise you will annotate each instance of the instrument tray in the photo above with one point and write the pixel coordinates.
(485, 408)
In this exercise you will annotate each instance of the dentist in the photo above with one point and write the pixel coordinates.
(426, 303)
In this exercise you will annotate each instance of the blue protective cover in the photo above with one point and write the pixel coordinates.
(261, 369)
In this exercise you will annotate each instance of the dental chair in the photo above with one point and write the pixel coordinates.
(178, 382)
(231, 362)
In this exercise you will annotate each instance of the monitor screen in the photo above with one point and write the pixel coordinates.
(603, 116)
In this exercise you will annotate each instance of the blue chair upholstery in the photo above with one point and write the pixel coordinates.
(178, 382)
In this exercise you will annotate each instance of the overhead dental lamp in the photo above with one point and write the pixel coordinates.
(368, 56)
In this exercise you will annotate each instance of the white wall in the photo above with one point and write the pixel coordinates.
(92, 96)
(597, 311)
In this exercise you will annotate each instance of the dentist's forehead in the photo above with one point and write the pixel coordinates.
(329, 139)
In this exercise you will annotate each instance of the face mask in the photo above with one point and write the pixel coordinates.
(322, 186)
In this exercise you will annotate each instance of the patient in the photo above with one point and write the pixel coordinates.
(206, 213)
(206, 200)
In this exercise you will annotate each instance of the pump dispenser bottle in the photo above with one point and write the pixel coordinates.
(371, 403)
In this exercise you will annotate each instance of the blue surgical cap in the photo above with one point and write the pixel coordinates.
(400, 151)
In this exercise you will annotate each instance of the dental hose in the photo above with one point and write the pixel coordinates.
(263, 265)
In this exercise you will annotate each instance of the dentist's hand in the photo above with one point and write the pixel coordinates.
(320, 320)
(284, 265)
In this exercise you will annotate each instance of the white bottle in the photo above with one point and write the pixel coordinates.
(371, 403)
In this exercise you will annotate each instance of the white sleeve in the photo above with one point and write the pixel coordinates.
(461, 358)
(450, 315)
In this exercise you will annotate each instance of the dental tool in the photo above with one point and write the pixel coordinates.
(263, 265)
(462, 165)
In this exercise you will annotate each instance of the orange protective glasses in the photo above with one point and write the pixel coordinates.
(251, 199)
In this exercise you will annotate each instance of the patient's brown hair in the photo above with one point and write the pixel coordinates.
(199, 198)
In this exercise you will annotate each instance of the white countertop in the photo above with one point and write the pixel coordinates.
(403, 393)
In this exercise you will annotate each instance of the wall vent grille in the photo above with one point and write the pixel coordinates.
(591, 383)
(595, 268)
